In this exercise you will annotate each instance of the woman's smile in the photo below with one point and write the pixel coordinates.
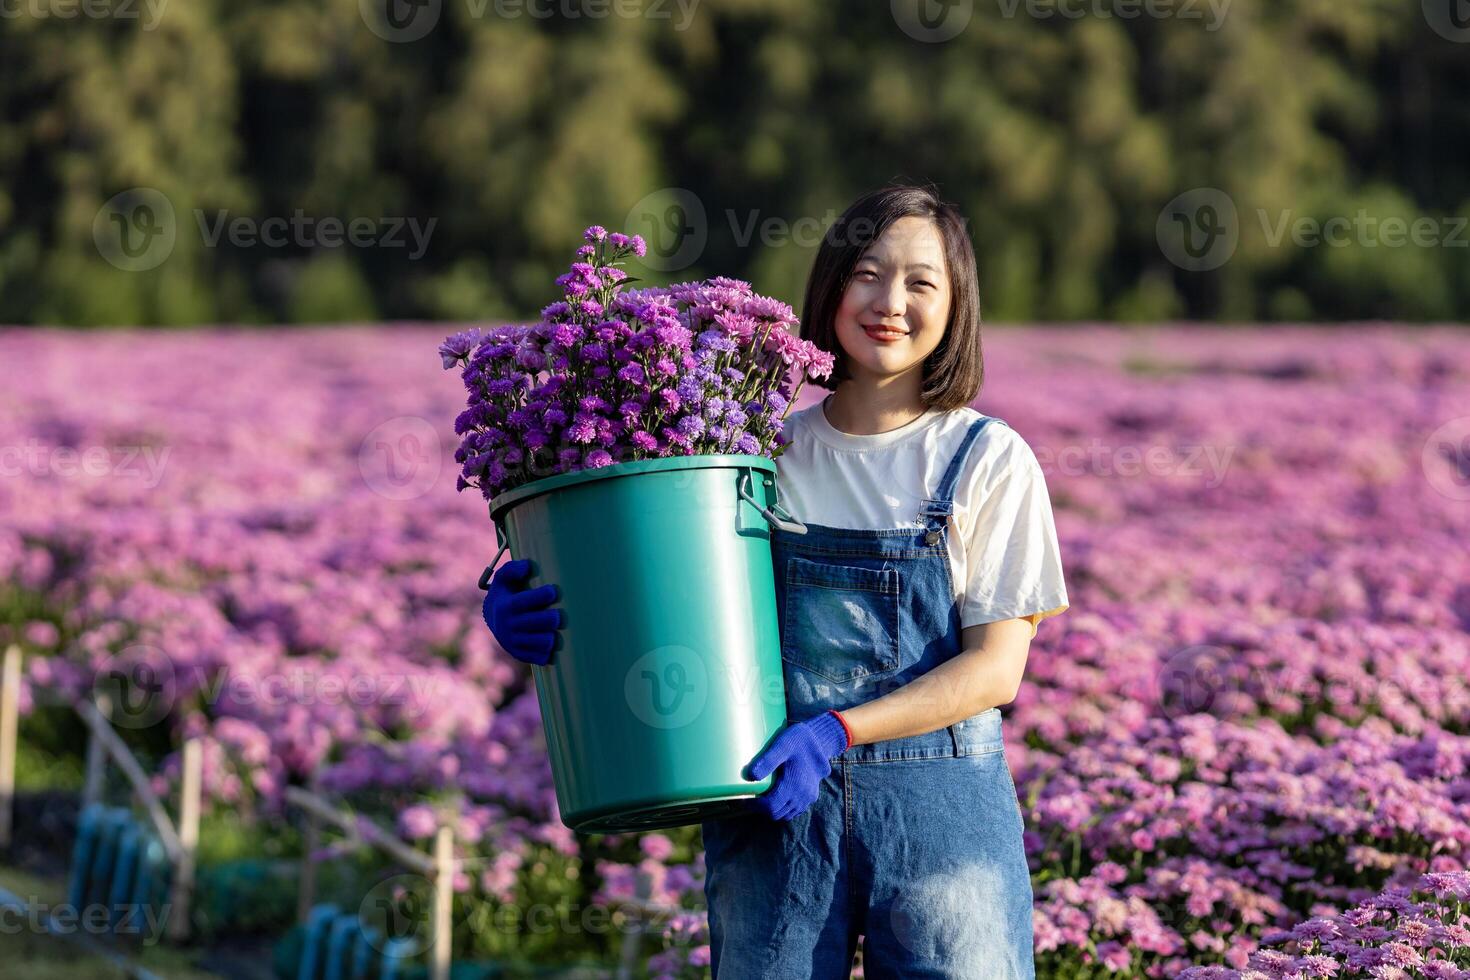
(884, 334)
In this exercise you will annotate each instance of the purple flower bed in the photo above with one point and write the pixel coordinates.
(1407, 931)
(1254, 717)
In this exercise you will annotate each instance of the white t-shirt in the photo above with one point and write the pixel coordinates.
(1004, 557)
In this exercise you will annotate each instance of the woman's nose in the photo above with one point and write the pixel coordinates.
(891, 299)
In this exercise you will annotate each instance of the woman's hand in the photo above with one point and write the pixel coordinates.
(518, 617)
(803, 752)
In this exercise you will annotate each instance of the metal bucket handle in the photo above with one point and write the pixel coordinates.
(490, 568)
(787, 523)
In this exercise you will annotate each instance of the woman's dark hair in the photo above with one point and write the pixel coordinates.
(955, 369)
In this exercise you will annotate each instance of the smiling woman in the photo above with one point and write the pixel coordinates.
(901, 304)
(892, 772)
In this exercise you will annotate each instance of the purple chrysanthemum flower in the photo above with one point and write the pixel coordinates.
(593, 403)
(739, 326)
(583, 428)
(530, 359)
(738, 285)
(690, 390)
(599, 457)
(568, 334)
(595, 233)
(765, 308)
(459, 346)
(717, 340)
(672, 333)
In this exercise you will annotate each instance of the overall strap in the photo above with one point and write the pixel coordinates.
(941, 505)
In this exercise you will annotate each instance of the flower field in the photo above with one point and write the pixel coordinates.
(1255, 715)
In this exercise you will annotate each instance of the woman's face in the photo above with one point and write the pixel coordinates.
(896, 305)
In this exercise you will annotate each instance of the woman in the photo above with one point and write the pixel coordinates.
(907, 612)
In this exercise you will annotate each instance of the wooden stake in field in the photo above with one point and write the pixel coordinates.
(9, 720)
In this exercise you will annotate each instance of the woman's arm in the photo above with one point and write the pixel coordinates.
(987, 672)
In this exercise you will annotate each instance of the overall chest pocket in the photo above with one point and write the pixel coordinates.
(841, 621)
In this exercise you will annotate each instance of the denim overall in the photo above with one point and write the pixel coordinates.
(913, 843)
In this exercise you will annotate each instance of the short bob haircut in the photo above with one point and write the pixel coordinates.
(954, 371)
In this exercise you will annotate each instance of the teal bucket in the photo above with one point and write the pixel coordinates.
(666, 681)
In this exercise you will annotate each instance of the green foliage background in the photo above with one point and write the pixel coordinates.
(1061, 137)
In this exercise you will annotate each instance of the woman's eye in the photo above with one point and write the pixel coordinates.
(924, 282)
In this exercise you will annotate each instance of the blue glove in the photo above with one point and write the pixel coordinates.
(804, 753)
(518, 617)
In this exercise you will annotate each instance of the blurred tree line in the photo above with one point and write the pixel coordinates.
(512, 124)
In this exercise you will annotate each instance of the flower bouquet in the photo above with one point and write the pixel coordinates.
(611, 374)
(625, 445)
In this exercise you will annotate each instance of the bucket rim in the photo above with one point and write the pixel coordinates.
(707, 461)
